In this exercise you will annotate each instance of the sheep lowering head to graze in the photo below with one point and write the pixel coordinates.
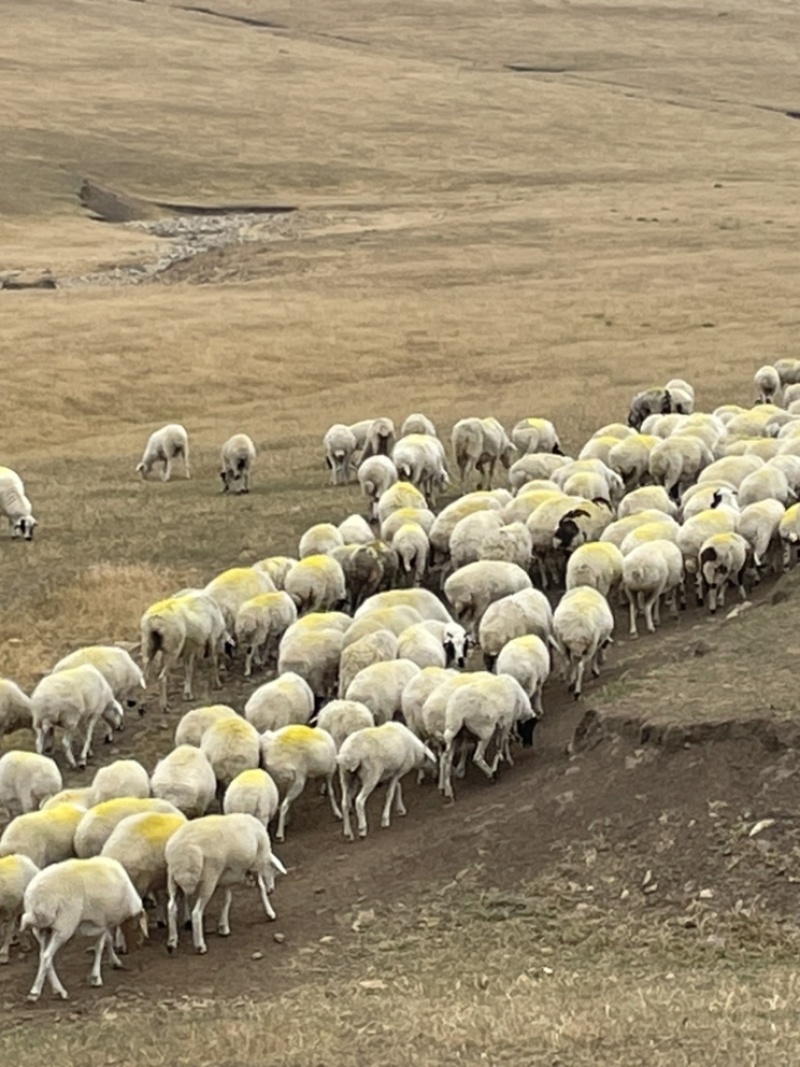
(649, 402)
(163, 446)
(238, 457)
(15, 505)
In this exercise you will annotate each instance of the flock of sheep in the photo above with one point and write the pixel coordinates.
(367, 632)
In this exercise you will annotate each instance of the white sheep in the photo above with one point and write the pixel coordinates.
(92, 897)
(630, 458)
(74, 700)
(97, 824)
(163, 446)
(380, 687)
(291, 756)
(617, 531)
(375, 476)
(194, 724)
(15, 874)
(542, 525)
(237, 459)
(582, 524)
(466, 544)
(314, 655)
(422, 600)
(45, 836)
(759, 524)
(649, 572)
(340, 718)
(122, 778)
(676, 462)
(534, 465)
(15, 505)
(433, 644)
(526, 612)
(417, 691)
(378, 437)
(373, 755)
(15, 707)
(647, 498)
(420, 460)
(355, 530)
(117, 667)
(318, 620)
(79, 797)
(471, 589)
(286, 699)
(536, 435)
(707, 495)
(217, 850)
(665, 529)
(730, 469)
(234, 587)
(139, 843)
(316, 583)
(767, 383)
(445, 522)
(394, 520)
(417, 423)
(276, 568)
(230, 746)
(254, 793)
(27, 779)
(696, 530)
(185, 779)
(597, 564)
(527, 659)
(767, 483)
(620, 430)
(789, 533)
(260, 624)
(374, 647)
(394, 619)
(722, 560)
(583, 625)
(478, 444)
(399, 495)
(340, 445)
(788, 371)
(412, 546)
(181, 629)
(319, 539)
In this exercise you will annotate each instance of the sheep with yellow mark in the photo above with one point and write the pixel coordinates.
(45, 837)
(316, 583)
(260, 624)
(15, 874)
(291, 756)
(27, 780)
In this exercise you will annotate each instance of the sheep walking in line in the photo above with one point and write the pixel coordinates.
(163, 446)
(116, 666)
(15, 874)
(582, 627)
(15, 505)
(478, 444)
(27, 780)
(291, 756)
(75, 700)
(237, 460)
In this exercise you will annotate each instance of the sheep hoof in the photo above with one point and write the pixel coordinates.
(32, 998)
(171, 949)
(223, 932)
(201, 949)
(95, 980)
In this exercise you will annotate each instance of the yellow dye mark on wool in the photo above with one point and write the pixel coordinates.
(119, 807)
(298, 735)
(9, 865)
(159, 826)
(64, 813)
(253, 777)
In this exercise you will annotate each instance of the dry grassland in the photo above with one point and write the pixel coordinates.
(470, 239)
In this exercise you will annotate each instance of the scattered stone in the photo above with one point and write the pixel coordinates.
(762, 824)
(706, 894)
(328, 939)
(648, 877)
(280, 938)
(257, 956)
(364, 918)
(373, 983)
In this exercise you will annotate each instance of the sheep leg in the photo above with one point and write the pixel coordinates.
(189, 677)
(41, 737)
(536, 702)
(95, 977)
(337, 813)
(399, 806)
(262, 888)
(633, 631)
(344, 781)
(66, 744)
(224, 924)
(293, 793)
(172, 914)
(87, 742)
(111, 948)
(203, 897)
(479, 758)
(577, 684)
(166, 473)
(648, 604)
(47, 952)
(387, 807)
(463, 756)
(248, 661)
(5, 948)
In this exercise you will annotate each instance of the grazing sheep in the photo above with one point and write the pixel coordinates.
(722, 559)
(116, 666)
(88, 896)
(434, 644)
(373, 755)
(355, 530)
(260, 624)
(181, 629)
(542, 525)
(412, 546)
(276, 568)
(445, 522)
(252, 792)
(665, 529)
(217, 850)
(319, 539)
(696, 531)
(139, 843)
(789, 533)
(477, 445)
(759, 524)
(511, 543)
(367, 569)
(230, 746)
(340, 718)
(394, 619)
(375, 476)
(527, 659)
(470, 533)
(194, 724)
(471, 589)
(74, 700)
(582, 627)
(291, 756)
(417, 423)
(15, 874)
(708, 495)
(163, 446)
(616, 533)
(45, 836)
(417, 691)
(767, 483)
(649, 572)
(767, 383)
(314, 655)
(420, 460)
(597, 449)
(399, 495)
(318, 620)
(676, 462)
(234, 587)
(788, 371)
(27, 780)
(316, 583)
(526, 612)
(237, 460)
(122, 778)
(15, 505)
(422, 517)
(287, 699)
(597, 564)
(375, 647)
(340, 447)
(534, 465)
(536, 435)
(15, 707)
(379, 438)
(422, 600)
(80, 798)
(649, 402)
(186, 780)
(380, 687)
(582, 524)
(528, 499)
(95, 826)
(647, 498)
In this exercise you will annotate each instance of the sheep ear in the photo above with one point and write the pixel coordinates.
(276, 863)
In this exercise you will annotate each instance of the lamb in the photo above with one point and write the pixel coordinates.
(163, 446)
(375, 476)
(319, 539)
(582, 524)
(649, 572)
(15, 505)
(96, 825)
(15, 707)
(74, 700)
(582, 627)
(122, 778)
(478, 444)
(45, 836)
(759, 524)
(186, 780)
(230, 746)
(767, 483)
(287, 699)
(194, 724)
(276, 568)
(355, 530)
(526, 612)
(534, 465)
(650, 402)
(314, 655)
(767, 382)
(316, 583)
(420, 460)
(88, 896)
(15, 874)
(399, 495)
(375, 647)
(293, 755)
(340, 718)
(422, 600)
(378, 754)
(380, 687)
(536, 435)
(527, 659)
(722, 559)
(340, 447)
(237, 460)
(234, 587)
(488, 707)
(676, 462)
(217, 850)
(117, 667)
(26, 781)
(260, 624)
(417, 423)
(254, 793)
(412, 546)
(180, 629)
(597, 564)
(139, 843)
